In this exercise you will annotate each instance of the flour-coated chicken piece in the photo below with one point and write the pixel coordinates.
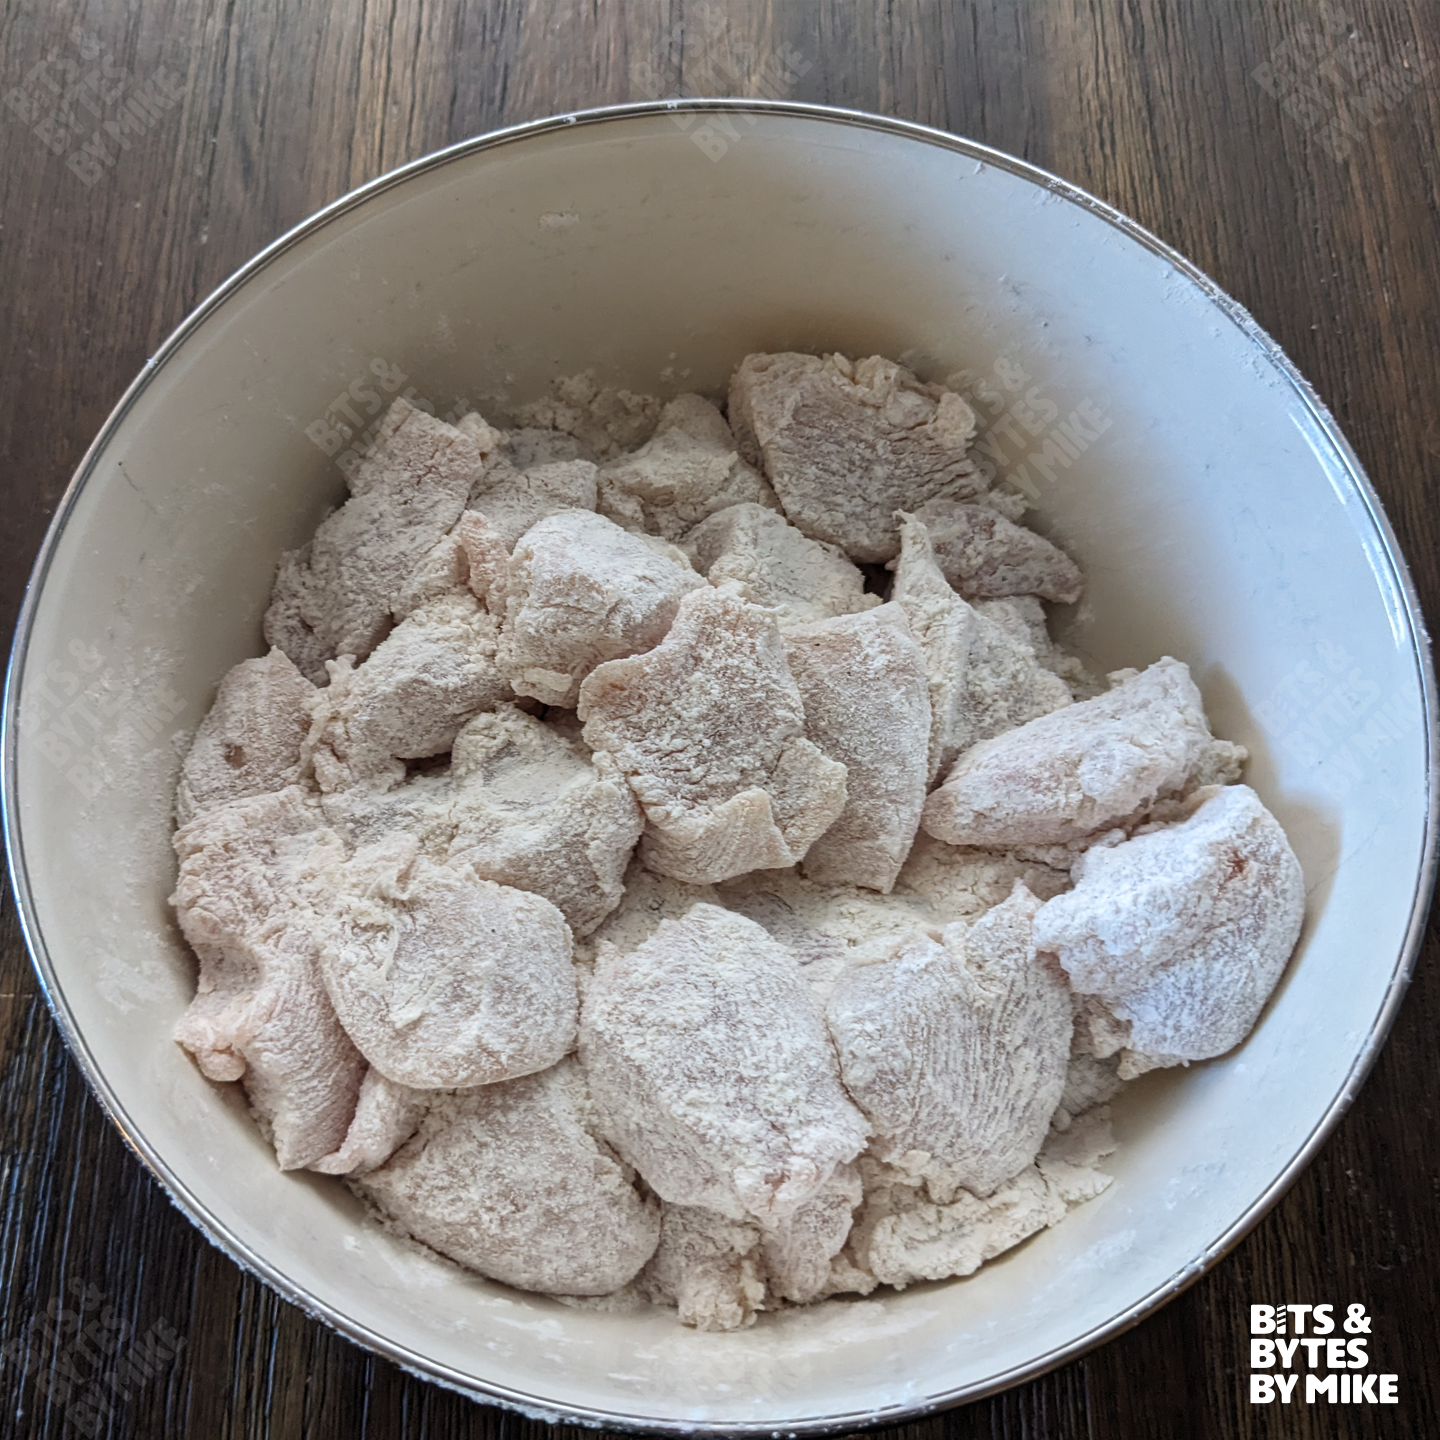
(799, 1250)
(711, 1066)
(1182, 931)
(985, 556)
(607, 421)
(386, 1116)
(513, 500)
(582, 591)
(867, 705)
(902, 1233)
(957, 1050)
(250, 741)
(337, 595)
(984, 678)
(1072, 774)
(261, 1013)
(531, 809)
(443, 980)
(688, 470)
(847, 443)
(777, 565)
(408, 701)
(708, 728)
(708, 1266)
(512, 1180)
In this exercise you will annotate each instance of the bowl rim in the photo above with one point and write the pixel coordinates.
(535, 1406)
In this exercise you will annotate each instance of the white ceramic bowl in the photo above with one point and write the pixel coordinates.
(1218, 513)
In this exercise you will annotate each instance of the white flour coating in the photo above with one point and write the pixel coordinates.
(532, 810)
(648, 780)
(799, 1250)
(686, 471)
(903, 1235)
(386, 1116)
(581, 591)
(709, 1061)
(720, 1273)
(840, 665)
(514, 500)
(986, 556)
(250, 741)
(336, 595)
(708, 1266)
(1070, 775)
(443, 980)
(261, 1013)
(1182, 931)
(408, 700)
(648, 899)
(984, 677)
(1023, 616)
(530, 445)
(848, 443)
(605, 421)
(709, 730)
(777, 565)
(957, 1051)
(514, 1181)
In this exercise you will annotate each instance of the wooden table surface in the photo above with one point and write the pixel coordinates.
(1286, 147)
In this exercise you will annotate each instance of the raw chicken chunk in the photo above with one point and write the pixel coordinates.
(709, 730)
(708, 1266)
(532, 811)
(710, 1063)
(514, 500)
(843, 667)
(604, 420)
(984, 679)
(686, 471)
(511, 1180)
(1024, 617)
(799, 1250)
(582, 591)
(260, 1012)
(409, 699)
(827, 928)
(386, 1116)
(1088, 1082)
(903, 1235)
(718, 1272)
(250, 741)
(957, 1052)
(442, 979)
(529, 446)
(1182, 931)
(848, 443)
(486, 560)
(648, 899)
(336, 596)
(1072, 774)
(774, 564)
(986, 557)
(958, 884)
(443, 571)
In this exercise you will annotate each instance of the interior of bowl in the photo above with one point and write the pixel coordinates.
(1217, 516)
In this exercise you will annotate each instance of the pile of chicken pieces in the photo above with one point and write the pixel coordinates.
(633, 902)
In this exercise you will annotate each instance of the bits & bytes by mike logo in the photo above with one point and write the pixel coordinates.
(1289, 1343)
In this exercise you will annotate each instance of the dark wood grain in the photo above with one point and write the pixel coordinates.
(289, 103)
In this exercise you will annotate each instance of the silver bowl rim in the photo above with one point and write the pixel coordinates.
(537, 1406)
